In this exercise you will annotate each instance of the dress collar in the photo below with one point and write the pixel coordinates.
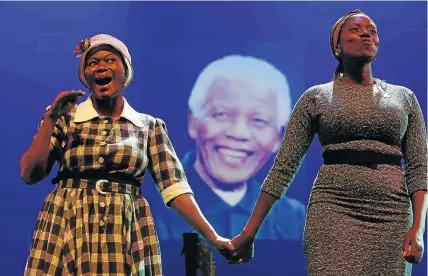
(85, 112)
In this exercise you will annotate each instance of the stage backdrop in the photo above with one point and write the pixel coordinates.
(279, 46)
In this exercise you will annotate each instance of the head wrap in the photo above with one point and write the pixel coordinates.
(84, 46)
(335, 31)
(334, 39)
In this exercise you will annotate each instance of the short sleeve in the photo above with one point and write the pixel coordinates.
(414, 148)
(164, 164)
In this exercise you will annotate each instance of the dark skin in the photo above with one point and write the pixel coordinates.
(357, 48)
(105, 62)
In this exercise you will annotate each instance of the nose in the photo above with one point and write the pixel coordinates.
(239, 130)
(101, 68)
(364, 33)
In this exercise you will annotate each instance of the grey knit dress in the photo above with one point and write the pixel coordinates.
(357, 215)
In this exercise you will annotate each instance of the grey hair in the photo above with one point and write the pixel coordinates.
(244, 68)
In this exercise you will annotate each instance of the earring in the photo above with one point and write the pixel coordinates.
(337, 53)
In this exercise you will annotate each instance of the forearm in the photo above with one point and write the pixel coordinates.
(420, 206)
(264, 204)
(186, 206)
(35, 160)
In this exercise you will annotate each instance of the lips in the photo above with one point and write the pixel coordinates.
(233, 156)
(233, 153)
(366, 41)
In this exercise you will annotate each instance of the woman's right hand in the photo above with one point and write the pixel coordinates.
(63, 103)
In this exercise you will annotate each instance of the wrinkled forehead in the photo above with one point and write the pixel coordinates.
(239, 87)
(243, 95)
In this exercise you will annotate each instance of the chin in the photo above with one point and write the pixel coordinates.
(370, 55)
(364, 58)
(104, 95)
(227, 180)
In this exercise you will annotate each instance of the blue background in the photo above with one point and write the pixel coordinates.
(170, 44)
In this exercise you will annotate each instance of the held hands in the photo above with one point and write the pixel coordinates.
(63, 103)
(413, 248)
(244, 249)
(223, 246)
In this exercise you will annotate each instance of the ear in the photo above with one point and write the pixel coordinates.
(337, 50)
(192, 125)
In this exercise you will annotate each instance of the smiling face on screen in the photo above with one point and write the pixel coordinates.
(237, 131)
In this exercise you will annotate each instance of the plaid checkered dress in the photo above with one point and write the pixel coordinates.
(85, 231)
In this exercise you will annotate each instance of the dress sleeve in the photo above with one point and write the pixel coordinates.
(164, 165)
(57, 138)
(298, 137)
(414, 147)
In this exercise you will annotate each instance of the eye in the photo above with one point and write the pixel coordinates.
(354, 29)
(221, 116)
(91, 63)
(373, 31)
(111, 60)
(259, 122)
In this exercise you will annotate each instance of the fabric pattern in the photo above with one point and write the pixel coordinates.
(83, 232)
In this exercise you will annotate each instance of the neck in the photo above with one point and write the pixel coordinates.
(111, 107)
(357, 73)
(213, 183)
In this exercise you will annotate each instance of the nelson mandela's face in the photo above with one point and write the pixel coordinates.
(237, 131)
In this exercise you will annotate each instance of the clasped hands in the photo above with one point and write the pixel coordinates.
(241, 251)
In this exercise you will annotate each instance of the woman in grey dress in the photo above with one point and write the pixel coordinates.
(366, 215)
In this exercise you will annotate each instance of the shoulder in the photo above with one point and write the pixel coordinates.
(319, 90)
(398, 91)
(395, 88)
(154, 124)
(150, 121)
(315, 95)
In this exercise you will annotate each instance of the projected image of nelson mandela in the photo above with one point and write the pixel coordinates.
(238, 109)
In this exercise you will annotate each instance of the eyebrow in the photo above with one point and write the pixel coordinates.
(359, 25)
(219, 104)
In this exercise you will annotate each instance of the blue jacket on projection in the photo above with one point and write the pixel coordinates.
(285, 221)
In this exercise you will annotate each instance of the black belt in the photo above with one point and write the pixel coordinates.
(360, 158)
(101, 182)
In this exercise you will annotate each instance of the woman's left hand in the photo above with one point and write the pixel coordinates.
(413, 248)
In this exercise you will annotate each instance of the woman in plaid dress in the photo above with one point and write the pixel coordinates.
(95, 222)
